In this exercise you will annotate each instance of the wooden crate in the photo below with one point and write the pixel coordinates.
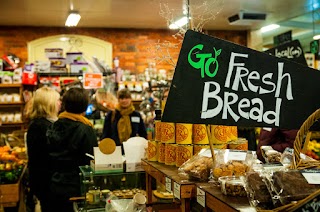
(10, 193)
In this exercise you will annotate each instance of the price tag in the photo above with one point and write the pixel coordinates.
(201, 197)
(168, 184)
(237, 155)
(176, 190)
(312, 176)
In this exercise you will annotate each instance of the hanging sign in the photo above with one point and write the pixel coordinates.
(92, 80)
(282, 38)
(290, 50)
(222, 83)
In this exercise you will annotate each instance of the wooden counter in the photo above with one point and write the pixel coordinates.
(185, 190)
(217, 201)
(182, 189)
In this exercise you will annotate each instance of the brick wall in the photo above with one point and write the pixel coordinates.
(134, 47)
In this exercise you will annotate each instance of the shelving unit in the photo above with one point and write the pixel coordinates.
(11, 115)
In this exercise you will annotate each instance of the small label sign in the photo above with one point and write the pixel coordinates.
(168, 184)
(176, 190)
(237, 155)
(201, 197)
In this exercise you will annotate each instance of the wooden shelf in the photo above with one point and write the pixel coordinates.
(63, 74)
(10, 85)
(11, 103)
(11, 123)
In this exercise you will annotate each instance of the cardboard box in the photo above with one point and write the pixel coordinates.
(74, 57)
(134, 167)
(53, 52)
(58, 62)
(42, 66)
(58, 70)
(107, 163)
(107, 168)
(79, 67)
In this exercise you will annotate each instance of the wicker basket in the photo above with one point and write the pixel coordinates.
(300, 144)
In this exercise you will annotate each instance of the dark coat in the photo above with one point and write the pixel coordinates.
(68, 143)
(278, 139)
(110, 128)
(38, 156)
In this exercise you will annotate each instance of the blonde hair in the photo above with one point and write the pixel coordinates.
(44, 103)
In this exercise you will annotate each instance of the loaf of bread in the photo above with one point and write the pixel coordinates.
(258, 192)
(292, 186)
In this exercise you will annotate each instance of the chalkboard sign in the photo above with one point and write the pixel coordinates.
(222, 83)
(291, 51)
(282, 38)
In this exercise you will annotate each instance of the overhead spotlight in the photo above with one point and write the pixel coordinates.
(73, 19)
(269, 28)
(179, 23)
(316, 37)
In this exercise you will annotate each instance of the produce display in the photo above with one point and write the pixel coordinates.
(12, 162)
(313, 149)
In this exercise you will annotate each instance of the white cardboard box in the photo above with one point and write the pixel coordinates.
(106, 163)
(134, 167)
(79, 67)
(74, 57)
(107, 168)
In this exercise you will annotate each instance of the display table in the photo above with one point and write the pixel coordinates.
(185, 190)
(217, 201)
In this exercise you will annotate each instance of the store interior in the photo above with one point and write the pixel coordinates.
(129, 44)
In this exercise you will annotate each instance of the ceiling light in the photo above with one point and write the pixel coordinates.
(179, 23)
(73, 19)
(316, 37)
(269, 28)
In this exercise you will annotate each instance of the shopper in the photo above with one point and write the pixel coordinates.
(278, 139)
(44, 109)
(69, 139)
(124, 122)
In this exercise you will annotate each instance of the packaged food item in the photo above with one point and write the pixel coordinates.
(233, 186)
(270, 155)
(183, 153)
(199, 132)
(258, 193)
(183, 133)
(231, 163)
(196, 168)
(282, 183)
(240, 144)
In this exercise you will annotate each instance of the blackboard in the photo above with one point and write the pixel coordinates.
(282, 38)
(290, 50)
(222, 83)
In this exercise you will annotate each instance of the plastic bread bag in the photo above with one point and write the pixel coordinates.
(287, 157)
(198, 167)
(282, 185)
(270, 155)
(232, 163)
(257, 191)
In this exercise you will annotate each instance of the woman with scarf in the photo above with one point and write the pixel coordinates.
(43, 111)
(69, 139)
(125, 122)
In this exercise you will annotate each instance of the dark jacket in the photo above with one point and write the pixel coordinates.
(68, 143)
(278, 139)
(110, 128)
(38, 156)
